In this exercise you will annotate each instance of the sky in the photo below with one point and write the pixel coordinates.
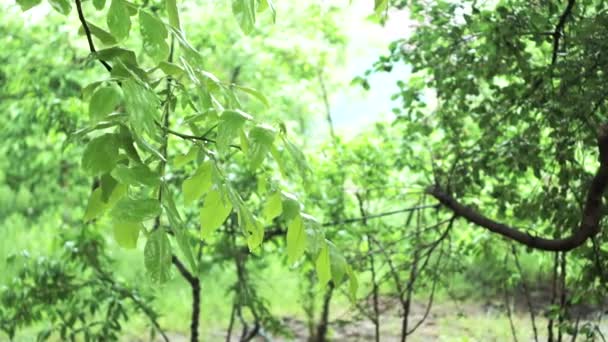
(354, 109)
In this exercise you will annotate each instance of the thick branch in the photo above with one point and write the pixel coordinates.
(196, 296)
(589, 226)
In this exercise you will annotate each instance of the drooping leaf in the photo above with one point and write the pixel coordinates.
(296, 239)
(108, 184)
(135, 210)
(229, 127)
(142, 106)
(214, 212)
(338, 263)
(273, 206)
(290, 205)
(244, 11)
(197, 185)
(104, 36)
(178, 228)
(99, 4)
(380, 6)
(182, 159)
(118, 20)
(171, 69)
(27, 4)
(261, 138)
(95, 207)
(100, 155)
(154, 35)
(254, 93)
(157, 256)
(323, 266)
(138, 175)
(173, 14)
(127, 233)
(62, 6)
(252, 228)
(103, 101)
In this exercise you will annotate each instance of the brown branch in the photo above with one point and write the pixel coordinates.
(589, 225)
(196, 296)
(87, 31)
(559, 30)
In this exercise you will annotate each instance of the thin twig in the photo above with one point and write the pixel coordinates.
(87, 32)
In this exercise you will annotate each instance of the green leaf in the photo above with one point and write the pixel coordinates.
(323, 266)
(254, 93)
(142, 106)
(62, 6)
(380, 6)
(117, 54)
(197, 185)
(182, 159)
(127, 233)
(265, 4)
(154, 35)
(231, 122)
(138, 175)
(261, 138)
(157, 256)
(214, 212)
(100, 155)
(95, 207)
(178, 228)
(244, 11)
(103, 101)
(104, 36)
(135, 210)
(173, 14)
(27, 4)
(273, 206)
(99, 4)
(108, 184)
(291, 206)
(171, 69)
(338, 264)
(118, 19)
(296, 239)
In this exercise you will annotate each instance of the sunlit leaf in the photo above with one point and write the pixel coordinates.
(200, 182)
(127, 233)
(173, 14)
(273, 206)
(323, 265)
(214, 212)
(62, 6)
(27, 4)
(296, 239)
(118, 19)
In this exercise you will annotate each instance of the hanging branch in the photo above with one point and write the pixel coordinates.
(589, 226)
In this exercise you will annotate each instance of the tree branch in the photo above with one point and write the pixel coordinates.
(87, 31)
(559, 30)
(196, 296)
(589, 225)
